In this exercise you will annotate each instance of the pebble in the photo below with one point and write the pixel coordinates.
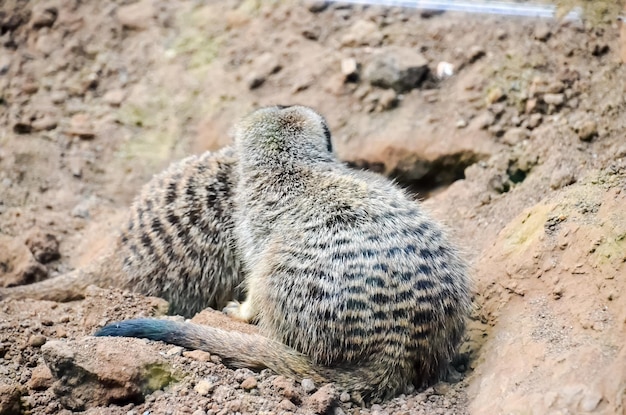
(114, 97)
(322, 400)
(80, 125)
(308, 385)
(198, 355)
(44, 123)
(587, 130)
(174, 351)
(344, 397)
(350, 69)
(136, 16)
(204, 387)
(37, 340)
(287, 405)
(43, 16)
(514, 136)
(542, 32)
(554, 99)
(249, 383)
(534, 120)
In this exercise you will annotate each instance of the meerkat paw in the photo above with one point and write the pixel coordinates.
(240, 311)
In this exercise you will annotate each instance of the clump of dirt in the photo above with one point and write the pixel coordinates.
(511, 130)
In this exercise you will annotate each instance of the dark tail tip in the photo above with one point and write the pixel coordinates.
(147, 328)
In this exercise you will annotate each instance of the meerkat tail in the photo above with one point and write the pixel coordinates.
(67, 287)
(236, 349)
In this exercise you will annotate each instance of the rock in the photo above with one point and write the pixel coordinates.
(444, 70)
(58, 97)
(81, 126)
(534, 120)
(322, 400)
(43, 246)
(41, 378)
(10, 399)
(514, 136)
(562, 176)
(542, 32)
(249, 383)
(362, 33)
(308, 385)
(344, 397)
(100, 371)
(199, 355)
(587, 130)
(287, 388)
(174, 351)
(483, 121)
(115, 97)
(43, 16)
(317, 6)
(401, 69)
(136, 16)
(350, 69)
(204, 387)
(495, 95)
(387, 100)
(554, 99)
(287, 405)
(44, 123)
(37, 340)
(17, 264)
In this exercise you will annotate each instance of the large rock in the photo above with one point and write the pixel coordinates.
(100, 371)
(401, 69)
(551, 296)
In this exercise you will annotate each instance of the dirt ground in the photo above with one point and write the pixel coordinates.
(511, 131)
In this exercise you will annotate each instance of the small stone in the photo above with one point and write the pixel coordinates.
(287, 388)
(514, 136)
(317, 6)
(460, 123)
(444, 70)
(43, 16)
(41, 378)
(174, 351)
(483, 121)
(554, 99)
(58, 97)
(43, 246)
(322, 400)
(4, 348)
(44, 123)
(30, 87)
(590, 401)
(562, 176)
(10, 399)
(531, 105)
(308, 385)
(388, 99)
(534, 120)
(587, 130)
(287, 405)
(350, 69)
(495, 95)
(136, 16)
(542, 32)
(37, 340)
(199, 355)
(204, 387)
(80, 125)
(249, 383)
(344, 397)
(114, 97)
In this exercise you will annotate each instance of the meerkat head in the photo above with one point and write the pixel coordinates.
(290, 132)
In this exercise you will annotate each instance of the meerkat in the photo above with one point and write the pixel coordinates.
(347, 278)
(177, 243)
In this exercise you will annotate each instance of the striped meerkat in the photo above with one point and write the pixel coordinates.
(177, 243)
(348, 279)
